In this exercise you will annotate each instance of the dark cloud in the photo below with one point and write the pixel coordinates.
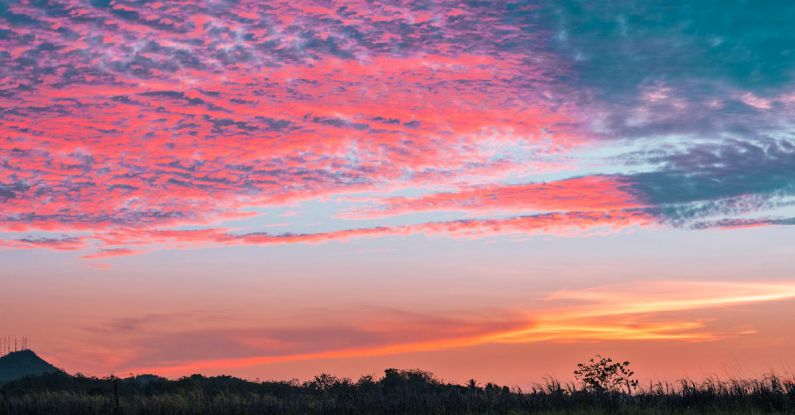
(743, 223)
(725, 177)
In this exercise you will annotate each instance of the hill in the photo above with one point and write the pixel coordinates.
(21, 364)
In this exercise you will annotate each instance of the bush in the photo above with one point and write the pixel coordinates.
(601, 374)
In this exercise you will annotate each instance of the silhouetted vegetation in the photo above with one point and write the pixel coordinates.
(396, 392)
(601, 374)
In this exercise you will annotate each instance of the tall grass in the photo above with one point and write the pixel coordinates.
(397, 392)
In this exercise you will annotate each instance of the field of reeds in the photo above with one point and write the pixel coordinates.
(397, 392)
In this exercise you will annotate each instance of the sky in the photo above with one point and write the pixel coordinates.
(488, 190)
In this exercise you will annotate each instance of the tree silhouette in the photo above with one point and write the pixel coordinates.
(601, 374)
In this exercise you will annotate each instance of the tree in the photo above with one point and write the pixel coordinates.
(472, 384)
(326, 382)
(601, 374)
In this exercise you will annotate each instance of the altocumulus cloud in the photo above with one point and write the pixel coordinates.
(130, 123)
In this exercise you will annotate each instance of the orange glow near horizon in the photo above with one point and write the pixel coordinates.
(611, 313)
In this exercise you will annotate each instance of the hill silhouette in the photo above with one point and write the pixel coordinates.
(23, 363)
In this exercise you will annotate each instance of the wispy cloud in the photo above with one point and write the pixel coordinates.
(62, 243)
(643, 311)
(568, 223)
(577, 194)
(108, 253)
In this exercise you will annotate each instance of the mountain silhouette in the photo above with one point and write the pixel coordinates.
(23, 363)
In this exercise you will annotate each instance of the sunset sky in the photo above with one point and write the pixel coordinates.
(489, 190)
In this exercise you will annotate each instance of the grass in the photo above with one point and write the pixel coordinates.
(397, 392)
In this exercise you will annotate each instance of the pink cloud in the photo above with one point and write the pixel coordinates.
(64, 243)
(152, 116)
(577, 194)
(113, 252)
(550, 223)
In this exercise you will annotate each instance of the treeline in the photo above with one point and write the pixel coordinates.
(397, 392)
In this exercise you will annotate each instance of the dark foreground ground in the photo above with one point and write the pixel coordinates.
(397, 392)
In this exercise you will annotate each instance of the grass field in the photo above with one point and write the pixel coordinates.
(397, 392)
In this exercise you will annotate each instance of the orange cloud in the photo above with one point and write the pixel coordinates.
(635, 312)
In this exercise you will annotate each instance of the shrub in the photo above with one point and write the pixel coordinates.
(601, 374)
